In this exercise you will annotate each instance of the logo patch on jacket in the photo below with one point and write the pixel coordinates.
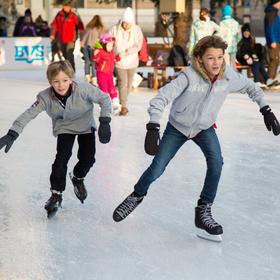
(35, 104)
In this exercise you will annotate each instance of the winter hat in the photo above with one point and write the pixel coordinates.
(27, 12)
(246, 27)
(105, 38)
(272, 2)
(227, 11)
(128, 15)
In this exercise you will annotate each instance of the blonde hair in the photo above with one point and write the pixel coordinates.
(55, 67)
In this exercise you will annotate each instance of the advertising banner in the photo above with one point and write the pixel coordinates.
(24, 53)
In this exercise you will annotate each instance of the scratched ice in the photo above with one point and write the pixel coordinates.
(157, 241)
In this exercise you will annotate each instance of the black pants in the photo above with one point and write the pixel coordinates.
(86, 158)
(68, 52)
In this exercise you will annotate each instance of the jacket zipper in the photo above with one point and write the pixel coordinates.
(201, 107)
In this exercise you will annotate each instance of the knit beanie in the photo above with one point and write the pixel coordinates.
(246, 27)
(128, 15)
(227, 11)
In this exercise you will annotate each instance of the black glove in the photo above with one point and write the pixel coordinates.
(270, 120)
(8, 140)
(104, 130)
(152, 138)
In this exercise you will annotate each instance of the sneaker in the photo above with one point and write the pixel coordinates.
(127, 206)
(116, 106)
(207, 227)
(94, 81)
(88, 78)
(272, 82)
(261, 85)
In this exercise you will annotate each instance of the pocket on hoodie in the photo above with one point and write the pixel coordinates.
(183, 115)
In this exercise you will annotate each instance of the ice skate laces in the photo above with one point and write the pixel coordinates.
(206, 216)
(129, 205)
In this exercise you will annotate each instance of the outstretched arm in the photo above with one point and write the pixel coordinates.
(240, 83)
(19, 124)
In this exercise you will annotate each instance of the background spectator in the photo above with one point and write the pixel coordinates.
(272, 35)
(93, 30)
(202, 27)
(3, 27)
(251, 54)
(231, 33)
(129, 39)
(20, 22)
(27, 28)
(64, 28)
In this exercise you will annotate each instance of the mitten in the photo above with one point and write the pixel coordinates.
(104, 130)
(152, 138)
(270, 120)
(8, 140)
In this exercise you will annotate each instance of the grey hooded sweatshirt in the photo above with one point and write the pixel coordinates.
(75, 118)
(196, 102)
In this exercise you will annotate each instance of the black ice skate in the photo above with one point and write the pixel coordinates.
(207, 227)
(79, 187)
(53, 203)
(127, 206)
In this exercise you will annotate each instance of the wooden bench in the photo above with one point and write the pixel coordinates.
(160, 73)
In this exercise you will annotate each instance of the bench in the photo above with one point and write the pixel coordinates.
(160, 73)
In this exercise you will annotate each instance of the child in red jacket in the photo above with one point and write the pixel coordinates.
(105, 59)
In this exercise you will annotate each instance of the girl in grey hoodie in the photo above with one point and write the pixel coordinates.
(197, 95)
(70, 106)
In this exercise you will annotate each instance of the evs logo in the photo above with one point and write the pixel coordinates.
(29, 53)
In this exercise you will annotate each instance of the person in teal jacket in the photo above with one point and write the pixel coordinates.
(231, 33)
(196, 97)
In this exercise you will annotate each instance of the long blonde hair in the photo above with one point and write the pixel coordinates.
(95, 22)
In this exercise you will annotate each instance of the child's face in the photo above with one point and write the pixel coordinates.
(109, 46)
(61, 83)
(212, 61)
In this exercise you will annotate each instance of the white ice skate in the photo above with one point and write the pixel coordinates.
(116, 106)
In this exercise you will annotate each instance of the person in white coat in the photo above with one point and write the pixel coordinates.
(129, 39)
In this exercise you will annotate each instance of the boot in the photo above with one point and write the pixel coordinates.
(79, 187)
(124, 111)
(207, 227)
(53, 203)
(127, 206)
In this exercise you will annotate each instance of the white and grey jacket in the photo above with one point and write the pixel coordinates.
(75, 118)
(196, 101)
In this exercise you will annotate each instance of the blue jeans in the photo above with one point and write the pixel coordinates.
(258, 69)
(89, 64)
(170, 143)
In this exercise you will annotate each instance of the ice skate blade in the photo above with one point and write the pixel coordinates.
(77, 195)
(205, 235)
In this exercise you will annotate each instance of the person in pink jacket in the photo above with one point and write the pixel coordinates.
(105, 59)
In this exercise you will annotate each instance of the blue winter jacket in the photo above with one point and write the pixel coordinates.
(272, 25)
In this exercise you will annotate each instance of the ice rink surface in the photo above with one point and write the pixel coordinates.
(157, 241)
